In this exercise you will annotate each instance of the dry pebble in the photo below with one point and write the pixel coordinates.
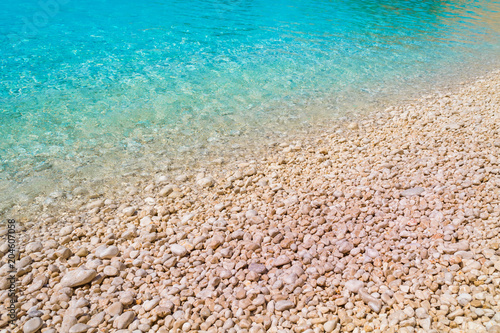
(78, 277)
(105, 252)
(412, 191)
(384, 223)
(178, 250)
(124, 320)
(32, 325)
(79, 328)
(354, 285)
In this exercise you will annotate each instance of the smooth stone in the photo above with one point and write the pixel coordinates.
(80, 328)
(290, 279)
(128, 211)
(354, 285)
(78, 277)
(110, 271)
(35, 313)
(448, 299)
(257, 268)
(259, 300)
(149, 305)
(281, 260)
(464, 299)
(215, 242)
(330, 325)
(115, 309)
(64, 253)
(104, 252)
(425, 323)
(205, 294)
(475, 265)
(145, 221)
(97, 319)
(372, 253)
(353, 126)
(166, 190)
(124, 320)
(283, 305)
(455, 247)
(412, 191)
(33, 247)
(251, 213)
(32, 325)
(65, 231)
(24, 262)
(68, 322)
(345, 247)
(465, 254)
(421, 313)
(161, 311)
(82, 252)
(178, 250)
(37, 284)
(206, 182)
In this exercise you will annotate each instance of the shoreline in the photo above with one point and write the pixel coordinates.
(391, 221)
(106, 174)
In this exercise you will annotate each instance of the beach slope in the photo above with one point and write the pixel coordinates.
(388, 224)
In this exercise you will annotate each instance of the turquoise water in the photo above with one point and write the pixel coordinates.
(99, 88)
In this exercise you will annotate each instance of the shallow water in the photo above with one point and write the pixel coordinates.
(94, 90)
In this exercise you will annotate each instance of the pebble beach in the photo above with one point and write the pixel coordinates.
(389, 223)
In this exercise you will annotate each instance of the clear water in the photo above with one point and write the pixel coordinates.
(95, 89)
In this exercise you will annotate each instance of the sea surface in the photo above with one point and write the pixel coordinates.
(98, 90)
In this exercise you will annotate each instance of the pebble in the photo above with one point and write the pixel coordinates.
(105, 252)
(283, 305)
(145, 221)
(149, 305)
(68, 322)
(290, 279)
(206, 182)
(330, 326)
(96, 319)
(281, 260)
(257, 268)
(110, 271)
(354, 285)
(82, 252)
(115, 309)
(425, 323)
(79, 328)
(124, 320)
(33, 247)
(453, 248)
(372, 253)
(35, 313)
(66, 231)
(345, 247)
(78, 277)
(178, 250)
(464, 299)
(32, 325)
(421, 313)
(412, 191)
